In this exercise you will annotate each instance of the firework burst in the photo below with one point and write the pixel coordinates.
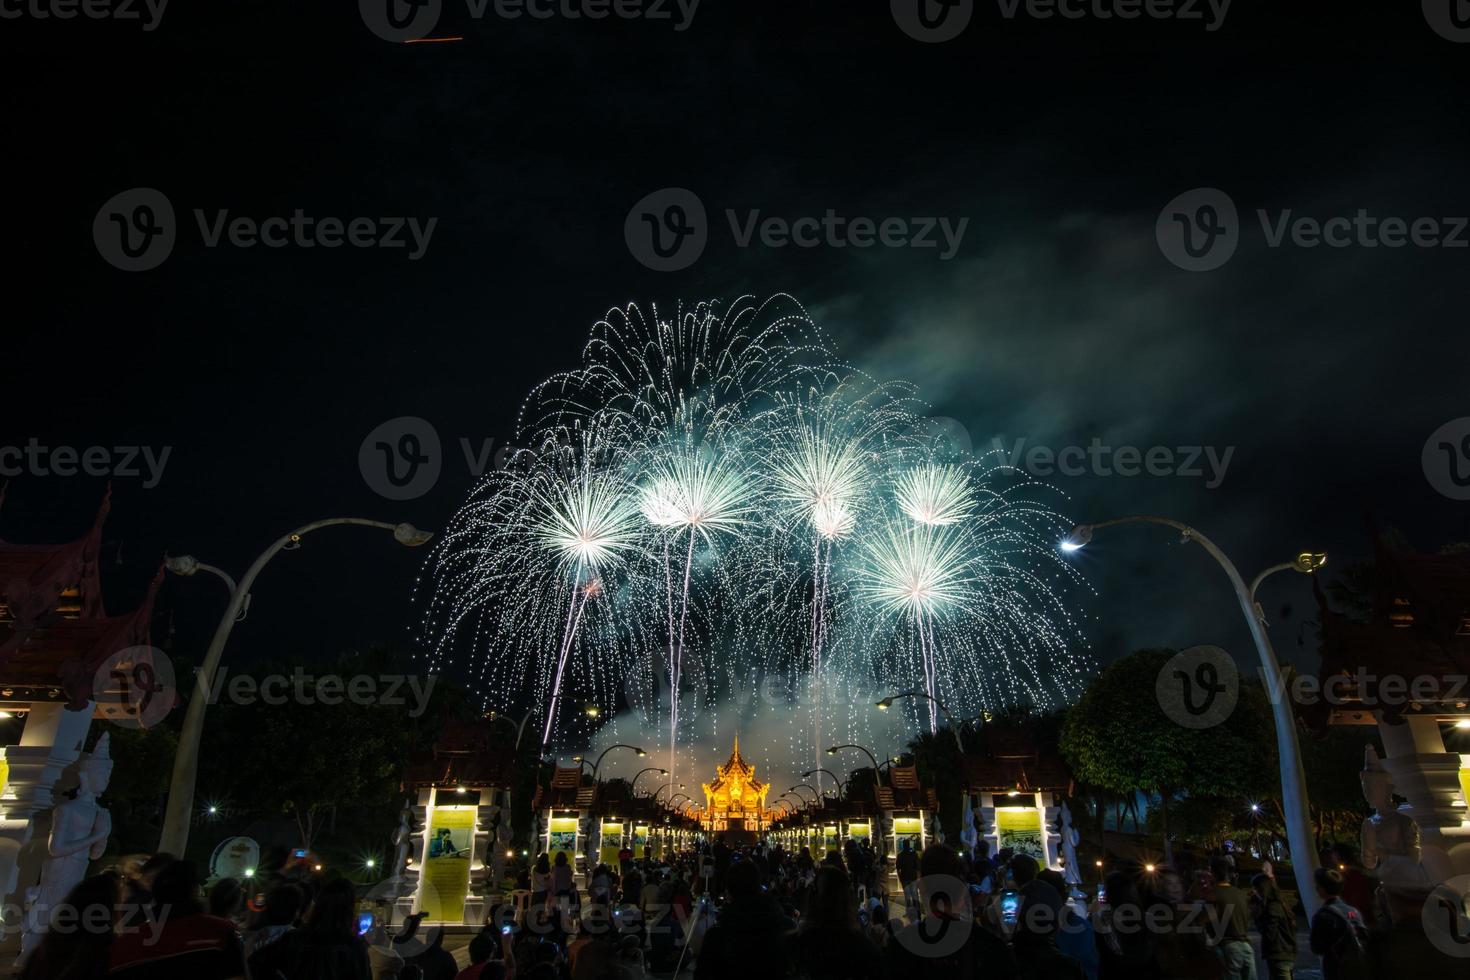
(715, 488)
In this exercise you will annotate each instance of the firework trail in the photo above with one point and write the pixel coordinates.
(715, 488)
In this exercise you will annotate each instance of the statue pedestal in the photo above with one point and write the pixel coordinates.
(1428, 777)
(50, 745)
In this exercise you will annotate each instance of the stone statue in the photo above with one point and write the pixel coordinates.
(1388, 837)
(1070, 838)
(79, 832)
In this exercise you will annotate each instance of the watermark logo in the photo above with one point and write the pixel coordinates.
(667, 230)
(1446, 459)
(134, 688)
(135, 230)
(34, 459)
(1444, 917)
(1199, 230)
(1100, 459)
(945, 926)
(1450, 19)
(149, 12)
(1210, 12)
(403, 21)
(932, 21)
(363, 690)
(1199, 687)
(401, 459)
(400, 21)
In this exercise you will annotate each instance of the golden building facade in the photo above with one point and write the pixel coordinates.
(736, 800)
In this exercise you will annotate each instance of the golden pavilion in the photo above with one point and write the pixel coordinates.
(735, 802)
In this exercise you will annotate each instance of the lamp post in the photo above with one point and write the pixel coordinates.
(664, 787)
(175, 836)
(1293, 778)
(801, 786)
(887, 703)
(615, 745)
(877, 775)
(634, 782)
(829, 772)
(496, 716)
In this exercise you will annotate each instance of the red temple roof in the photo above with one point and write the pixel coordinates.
(54, 632)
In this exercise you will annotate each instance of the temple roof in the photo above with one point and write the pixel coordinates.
(54, 632)
(735, 769)
(1418, 625)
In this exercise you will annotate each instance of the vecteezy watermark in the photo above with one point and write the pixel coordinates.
(1200, 229)
(402, 21)
(668, 230)
(1199, 687)
(936, 21)
(299, 687)
(403, 458)
(932, 21)
(1366, 690)
(1444, 917)
(1446, 459)
(1210, 12)
(148, 12)
(134, 687)
(135, 230)
(34, 459)
(1099, 459)
(1450, 19)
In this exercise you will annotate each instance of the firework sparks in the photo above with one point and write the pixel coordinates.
(716, 488)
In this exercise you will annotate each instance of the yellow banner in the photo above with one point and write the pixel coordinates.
(1020, 830)
(446, 874)
(563, 839)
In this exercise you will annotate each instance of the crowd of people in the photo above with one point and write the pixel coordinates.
(715, 912)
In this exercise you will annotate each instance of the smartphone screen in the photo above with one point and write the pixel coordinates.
(364, 922)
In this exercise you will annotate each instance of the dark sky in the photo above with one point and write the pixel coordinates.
(1059, 320)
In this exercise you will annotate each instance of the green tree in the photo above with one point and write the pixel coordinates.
(329, 762)
(1118, 737)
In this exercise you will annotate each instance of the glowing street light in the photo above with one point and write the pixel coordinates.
(180, 805)
(1294, 800)
(954, 726)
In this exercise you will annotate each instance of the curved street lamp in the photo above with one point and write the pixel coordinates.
(835, 778)
(664, 787)
(634, 781)
(954, 726)
(801, 786)
(864, 750)
(615, 745)
(496, 716)
(180, 806)
(1293, 778)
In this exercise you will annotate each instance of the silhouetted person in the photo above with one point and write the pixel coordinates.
(79, 950)
(327, 946)
(830, 945)
(181, 941)
(946, 943)
(751, 935)
(1339, 934)
(1277, 926)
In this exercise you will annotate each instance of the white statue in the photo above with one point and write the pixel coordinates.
(1387, 835)
(1070, 837)
(79, 832)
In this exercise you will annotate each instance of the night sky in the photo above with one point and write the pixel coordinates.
(1058, 320)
